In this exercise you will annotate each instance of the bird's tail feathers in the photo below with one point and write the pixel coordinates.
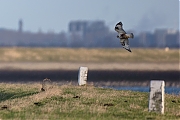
(130, 35)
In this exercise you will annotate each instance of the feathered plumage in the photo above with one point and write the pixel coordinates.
(123, 36)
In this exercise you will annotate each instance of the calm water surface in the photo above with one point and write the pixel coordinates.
(168, 90)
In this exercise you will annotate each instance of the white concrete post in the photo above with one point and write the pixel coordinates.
(156, 97)
(82, 76)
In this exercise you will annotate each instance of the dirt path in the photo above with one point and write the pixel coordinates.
(92, 66)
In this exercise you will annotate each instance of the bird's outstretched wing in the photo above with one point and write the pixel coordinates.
(125, 44)
(120, 31)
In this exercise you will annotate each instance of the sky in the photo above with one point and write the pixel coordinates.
(55, 15)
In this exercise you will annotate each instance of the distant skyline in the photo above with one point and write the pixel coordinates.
(55, 15)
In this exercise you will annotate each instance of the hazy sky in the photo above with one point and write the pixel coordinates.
(55, 15)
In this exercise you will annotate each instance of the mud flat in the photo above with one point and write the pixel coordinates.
(98, 74)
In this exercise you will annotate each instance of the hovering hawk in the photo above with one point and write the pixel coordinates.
(123, 36)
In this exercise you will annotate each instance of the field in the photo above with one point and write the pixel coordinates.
(68, 101)
(27, 101)
(64, 58)
(87, 55)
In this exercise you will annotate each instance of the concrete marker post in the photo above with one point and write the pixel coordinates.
(156, 96)
(82, 76)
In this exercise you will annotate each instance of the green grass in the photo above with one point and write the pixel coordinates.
(26, 101)
(87, 55)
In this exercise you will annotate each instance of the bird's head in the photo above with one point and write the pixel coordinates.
(120, 23)
(118, 26)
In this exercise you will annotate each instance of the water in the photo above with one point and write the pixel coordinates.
(168, 90)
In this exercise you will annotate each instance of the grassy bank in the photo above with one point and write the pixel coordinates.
(26, 101)
(87, 55)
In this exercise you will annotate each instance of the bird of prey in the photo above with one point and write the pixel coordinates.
(123, 36)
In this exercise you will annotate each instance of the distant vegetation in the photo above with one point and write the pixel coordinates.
(87, 55)
(27, 101)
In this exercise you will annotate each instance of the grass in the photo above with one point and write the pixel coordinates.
(26, 101)
(87, 55)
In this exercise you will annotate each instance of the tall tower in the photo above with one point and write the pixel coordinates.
(20, 25)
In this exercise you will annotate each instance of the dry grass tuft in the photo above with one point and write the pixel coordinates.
(46, 84)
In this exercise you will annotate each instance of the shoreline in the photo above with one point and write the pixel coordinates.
(99, 74)
(95, 77)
